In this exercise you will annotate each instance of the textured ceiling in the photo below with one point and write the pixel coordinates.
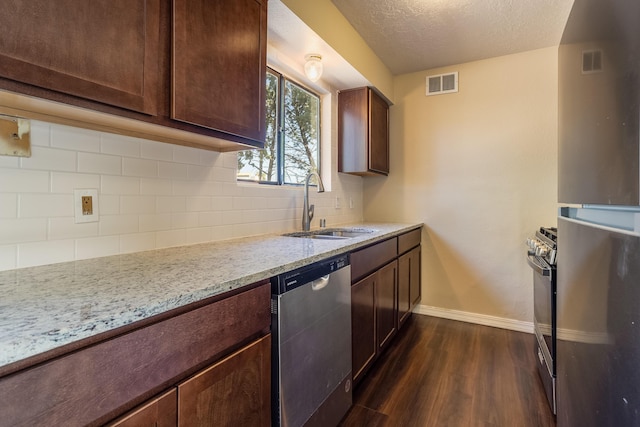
(415, 35)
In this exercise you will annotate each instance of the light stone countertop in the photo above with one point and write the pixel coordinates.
(46, 307)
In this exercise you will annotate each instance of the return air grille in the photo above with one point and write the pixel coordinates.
(442, 83)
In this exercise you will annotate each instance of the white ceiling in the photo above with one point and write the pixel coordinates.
(415, 35)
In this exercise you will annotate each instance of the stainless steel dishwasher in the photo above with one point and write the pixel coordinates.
(311, 356)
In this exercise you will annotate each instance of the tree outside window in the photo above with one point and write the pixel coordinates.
(288, 156)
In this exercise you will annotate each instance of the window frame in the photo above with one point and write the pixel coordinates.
(282, 79)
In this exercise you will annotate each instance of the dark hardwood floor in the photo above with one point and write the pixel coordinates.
(441, 372)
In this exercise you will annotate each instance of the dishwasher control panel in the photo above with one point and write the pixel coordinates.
(288, 281)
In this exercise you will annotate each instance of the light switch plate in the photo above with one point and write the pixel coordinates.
(86, 205)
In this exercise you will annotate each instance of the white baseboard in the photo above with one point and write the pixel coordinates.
(479, 319)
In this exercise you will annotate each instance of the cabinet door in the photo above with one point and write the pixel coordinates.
(386, 300)
(103, 50)
(236, 391)
(363, 325)
(378, 133)
(408, 283)
(219, 65)
(160, 412)
(415, 289)
(404, 284)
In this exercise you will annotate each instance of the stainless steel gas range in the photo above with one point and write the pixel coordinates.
(541, 256)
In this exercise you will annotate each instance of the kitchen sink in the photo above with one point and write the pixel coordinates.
(331, 233)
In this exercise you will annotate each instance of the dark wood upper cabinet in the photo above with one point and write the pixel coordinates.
(102, 50)
(219, 65)
(363, 132)
(189, 72)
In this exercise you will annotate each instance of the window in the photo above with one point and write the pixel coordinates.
(292, 145)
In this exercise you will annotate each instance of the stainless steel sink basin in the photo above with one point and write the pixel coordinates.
(331, 233)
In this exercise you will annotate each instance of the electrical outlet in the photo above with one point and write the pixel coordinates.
(86, 205)
(337, 202)
(350, 202)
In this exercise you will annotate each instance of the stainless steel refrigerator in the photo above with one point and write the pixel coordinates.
(598, 261)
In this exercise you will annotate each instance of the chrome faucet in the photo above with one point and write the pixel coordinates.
(307, 211)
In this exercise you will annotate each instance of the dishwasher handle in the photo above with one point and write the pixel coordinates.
(320, 283)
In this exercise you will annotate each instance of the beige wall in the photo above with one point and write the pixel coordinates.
(479, 169)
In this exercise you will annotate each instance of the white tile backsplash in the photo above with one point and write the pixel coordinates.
(44, 158)
(8, 257)
(72, 138)
(99, 163)
(23, 181)
(45, 252)
(8, 206)
(151, 195)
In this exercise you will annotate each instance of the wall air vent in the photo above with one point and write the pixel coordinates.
(442, 83)
(591, 61)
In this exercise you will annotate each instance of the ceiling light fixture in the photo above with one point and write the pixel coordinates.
(313, 66)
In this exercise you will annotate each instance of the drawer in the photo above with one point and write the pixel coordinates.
(409, 240)
(373, 257)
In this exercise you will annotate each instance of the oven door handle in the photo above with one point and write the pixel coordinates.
(538, 265)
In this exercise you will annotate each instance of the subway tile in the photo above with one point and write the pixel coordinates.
(66, 228)
(119, 145)
(50, 159)
(122, 185)
(224, 175)
(22, 230)
(167, 204)
(222, 203)
(157, 222)
(139, 167)
(221, 232)
(230, 160)
(12, 162)
(209, 219)
(42, 253)
(198, 235)
(8, 205)
(72, 138)
(118, 224)
(166, 239)
(99, 163)
(137, 242)
(199, 173)
(137, 204)
(94, 247)
(23, 181)
(156, 150)
(169, 170)
(208, 157)
(45, 205)
(62, 182)
(8, 257)
(158, 187)
(187, 155)
(184, 220)
(198, 204)
(109, 204)
(40, 134)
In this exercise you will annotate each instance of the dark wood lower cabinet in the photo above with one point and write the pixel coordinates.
(159, 412)
(386, 297)
(363, 331)
(408, 284)
(233, 392)
(373, 317)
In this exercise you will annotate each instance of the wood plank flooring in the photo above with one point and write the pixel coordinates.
(441, 372)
